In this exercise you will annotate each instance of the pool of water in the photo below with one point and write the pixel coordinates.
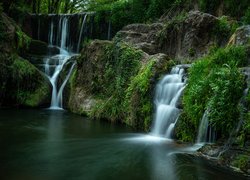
(51, 145)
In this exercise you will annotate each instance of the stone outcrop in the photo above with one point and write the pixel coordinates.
(22, 84)
(186, 36)
(143, 36)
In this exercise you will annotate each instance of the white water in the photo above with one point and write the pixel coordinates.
(81, 32)
(168, 92)
(205, 132)
(51, 32)
(54, 64)
(109, 31)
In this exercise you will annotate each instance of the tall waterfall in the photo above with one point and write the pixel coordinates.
(168, 92)
(55, 64)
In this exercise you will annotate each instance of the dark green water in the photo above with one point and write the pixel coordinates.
(48, 145)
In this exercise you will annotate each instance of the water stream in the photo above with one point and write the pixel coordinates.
(168, 92)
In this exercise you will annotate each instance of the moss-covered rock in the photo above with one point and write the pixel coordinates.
(115, 81)
(22, 84)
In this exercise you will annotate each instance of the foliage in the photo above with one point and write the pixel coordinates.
(224, 28)
(122, 62)
(138, 100)
(184, 130)
(246, 17)
(227, 7)
(241, 162)
(215, 84)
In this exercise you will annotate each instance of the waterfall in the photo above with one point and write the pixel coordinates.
(205, 132)
(53, 65)
(109, 30)
(81, 32)
(51, 33)
(168, 92)
(60, 92)
(65, 34)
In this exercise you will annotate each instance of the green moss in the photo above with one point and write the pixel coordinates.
(138, 98)
(23, 41)
(121, 63)
(23, 85)
(241, 162)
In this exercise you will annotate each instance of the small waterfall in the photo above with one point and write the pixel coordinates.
(81, 32)
(51, 33)
(109, 30)
(168, 92)
(59, 99)
(205, 132)
(64, 34)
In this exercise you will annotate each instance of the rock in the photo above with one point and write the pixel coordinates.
(142, 36)
(22, 84)
(8, 42)
(90, 65)
(241, 36)
(188, 37)
(37, 47)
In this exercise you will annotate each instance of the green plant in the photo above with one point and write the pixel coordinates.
(23, 41)
(246, 17)
(138, 98)
(215, 84)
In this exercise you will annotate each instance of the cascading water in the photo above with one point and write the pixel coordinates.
(168, 92)
(206, 134)
(64, 35)
(54, 64)
(81, 32)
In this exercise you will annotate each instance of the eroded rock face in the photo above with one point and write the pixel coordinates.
(189, 36)
(241, 36)
(142, 36)
(89, 67)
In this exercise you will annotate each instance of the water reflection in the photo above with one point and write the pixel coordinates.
(59, 145)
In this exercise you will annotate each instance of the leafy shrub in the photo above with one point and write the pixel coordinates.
(246, 17)
(215, 84)
(138, 100)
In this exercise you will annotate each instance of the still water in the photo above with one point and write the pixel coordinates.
(58, 145)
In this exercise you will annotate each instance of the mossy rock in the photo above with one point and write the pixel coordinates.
(22, 84)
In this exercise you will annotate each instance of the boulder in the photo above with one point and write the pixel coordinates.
(241, 36)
